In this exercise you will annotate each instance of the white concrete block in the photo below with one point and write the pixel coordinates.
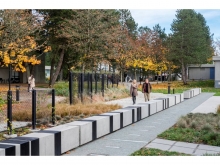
(127, 116)
(152, 106)
(102, 125)
(178, 98)
(187, 94)
(159, 105)
(144, 110)
(2, 152)
(181, 97)
(17, 148)
(46, 143)
(135, 111)
(171, 99)
(85, 131)
(116, 120)
(69, 136)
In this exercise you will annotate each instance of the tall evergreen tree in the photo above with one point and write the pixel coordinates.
(190, 41)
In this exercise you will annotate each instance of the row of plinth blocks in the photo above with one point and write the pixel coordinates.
(57, 140)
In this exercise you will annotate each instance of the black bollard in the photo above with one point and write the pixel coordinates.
(53, 106)
(91, 86)
(95, 83)
(173, 91)
(168, 88)
(9, 112)
(103, 85)
(70, 88)
(82, 86)
(33, 109)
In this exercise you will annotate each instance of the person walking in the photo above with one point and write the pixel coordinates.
(32, 83)
(29, 82)
(146, 89)
(133, 90)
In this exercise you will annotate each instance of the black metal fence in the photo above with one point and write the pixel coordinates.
(88, 84)
(21, 105)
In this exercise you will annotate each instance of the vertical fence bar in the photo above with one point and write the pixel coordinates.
(103, 84)
(9, 112)
(88, 79)
(112, 79)
(53, 106)
(107, 80)
(82, 85)
(91, 86)
(95, 83)
(70, 88)
(33, 109)
(79, 84)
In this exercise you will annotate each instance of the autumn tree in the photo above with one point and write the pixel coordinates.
(18, 33)
(190, 41)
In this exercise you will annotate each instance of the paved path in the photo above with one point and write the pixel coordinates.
(133, 137)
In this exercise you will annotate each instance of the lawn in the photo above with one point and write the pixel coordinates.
(156, 152)
(195, 128)
(205, 85)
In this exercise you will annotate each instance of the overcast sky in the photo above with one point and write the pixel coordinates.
(164, 17)
(145, 12)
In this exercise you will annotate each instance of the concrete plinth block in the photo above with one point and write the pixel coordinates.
(114, 121)
(33, 144)
(7, 150)
(165, 102)
(181, 97)
(86, 131)
(137, 111)
(102, 125)
(152, 107)
(127, 116)
(21, 147)
(187, 94)
(159, 105)
(2, 152)
(66, 137)
(171, 99)
(46, 143)
(144, 112)
(177, 98)
(134, 110)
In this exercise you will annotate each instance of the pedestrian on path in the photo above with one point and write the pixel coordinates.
(133, 90)
(29, 82)
(146, 89)
(32, 83)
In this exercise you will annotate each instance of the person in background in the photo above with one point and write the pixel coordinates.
(146, 89)
(29, 82)
(133, 90)
(32, 83)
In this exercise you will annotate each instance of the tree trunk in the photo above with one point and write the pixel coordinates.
(184, 74)
(57, 71)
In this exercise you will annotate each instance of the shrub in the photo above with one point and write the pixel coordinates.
(207, 127)
(193, 124)
(181, 123)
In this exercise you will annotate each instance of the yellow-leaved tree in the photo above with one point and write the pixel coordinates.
(19, 30)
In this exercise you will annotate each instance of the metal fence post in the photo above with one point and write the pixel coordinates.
(103, 85)
(95, 83)
(53, 106)
(9, 112)
(82, 86)
(112, 79)
(79, 85)
(70, 87)
(33, 109)
(173, 90)
(88, 87)
(91, 86)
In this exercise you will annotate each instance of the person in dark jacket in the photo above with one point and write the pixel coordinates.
(133, 90)
(146, 89)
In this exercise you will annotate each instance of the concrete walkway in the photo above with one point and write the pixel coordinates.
(183, 147)
(133, 137)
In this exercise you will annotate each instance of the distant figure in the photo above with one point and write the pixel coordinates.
(29, 82)
(146, 89)
(32, 83)
(133, 90)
